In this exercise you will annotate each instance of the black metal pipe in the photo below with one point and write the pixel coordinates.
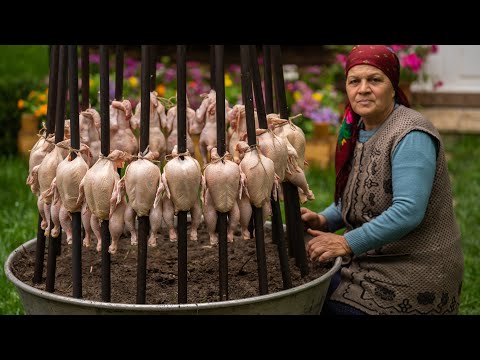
(54, 244)
(51, 105)
(221, 217)
(143, 230)
(85, 104)
(75, 143)
(278, 236)
(213, 71)
(290, 192)
(268, 80)
(106, 262)
(143, 221)
(119, 51)
(105, 149)
(257, 87)
(39, 253)
(182, 147)
(252, 140)
(52, 88)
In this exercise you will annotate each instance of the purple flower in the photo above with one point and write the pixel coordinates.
(94, 59)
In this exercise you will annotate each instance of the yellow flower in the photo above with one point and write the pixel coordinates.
(90, 83)
(42, 97)
(43, 109)
(20, 104)
(133, 81)
(297, 95)
(161, 89)
(228, 81)
(344, 141)
(317, 96)
(31, 95)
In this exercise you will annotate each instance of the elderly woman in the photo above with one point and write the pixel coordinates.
(401, 247)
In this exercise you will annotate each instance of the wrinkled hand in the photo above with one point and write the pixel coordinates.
(313, 220)
(326, 246)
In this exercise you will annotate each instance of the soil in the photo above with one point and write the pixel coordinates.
(162, 286)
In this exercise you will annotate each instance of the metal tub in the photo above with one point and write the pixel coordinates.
(304, 299)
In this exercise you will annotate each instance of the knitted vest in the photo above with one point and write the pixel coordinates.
(420, 273)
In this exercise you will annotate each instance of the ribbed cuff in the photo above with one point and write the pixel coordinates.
(356, 239)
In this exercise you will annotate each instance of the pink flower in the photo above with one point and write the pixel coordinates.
(342, 59)
(412, 61)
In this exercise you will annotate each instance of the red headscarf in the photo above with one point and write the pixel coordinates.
(386, 60)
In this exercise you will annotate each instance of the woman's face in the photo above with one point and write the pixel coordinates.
(370, 92)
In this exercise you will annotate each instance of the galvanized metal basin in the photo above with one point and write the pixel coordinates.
(304, 299)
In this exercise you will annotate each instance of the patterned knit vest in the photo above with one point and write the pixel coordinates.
(420, 273)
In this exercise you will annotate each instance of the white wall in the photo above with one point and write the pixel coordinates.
(457, 66)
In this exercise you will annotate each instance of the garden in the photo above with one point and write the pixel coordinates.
(315, 92)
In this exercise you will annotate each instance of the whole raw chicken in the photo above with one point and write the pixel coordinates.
(141, 182)
(69, 175)
(157, 122)
(258, 174)
(172, 129)
(99, 181)
(288, 130)
(181, 179)
(121, 135)
(222, 178)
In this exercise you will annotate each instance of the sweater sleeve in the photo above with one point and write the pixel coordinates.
(333, 214)
(413, 171)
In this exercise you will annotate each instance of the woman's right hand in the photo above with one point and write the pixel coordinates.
(312, 220)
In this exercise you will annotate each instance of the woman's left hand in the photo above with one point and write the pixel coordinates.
(326, 246)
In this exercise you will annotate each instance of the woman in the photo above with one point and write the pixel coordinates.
(401, 248)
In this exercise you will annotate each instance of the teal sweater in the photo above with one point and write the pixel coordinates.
(413, 170)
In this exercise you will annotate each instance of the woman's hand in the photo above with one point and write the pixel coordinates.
(313, 220)
(326, 246)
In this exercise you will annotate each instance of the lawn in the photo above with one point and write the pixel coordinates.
(18, 214)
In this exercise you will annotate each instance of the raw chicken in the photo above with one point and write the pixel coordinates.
(158, 121)
(121, 135)
(222, 178)
(257, 173)
(288, 130)
(141, 181)
(181, 179)
(90, 131)
(172, 129)
(69, 175)
(99, 182)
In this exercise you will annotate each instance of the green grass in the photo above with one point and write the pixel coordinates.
(18, 223)
(18, 214)
(30, 61)
(464, 167)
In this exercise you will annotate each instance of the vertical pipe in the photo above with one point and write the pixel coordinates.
(119, 51)
(182, 147)
(268, 80)
(85, 78)
(221, 217)
(143, 221)
(53, 243)
(257, 86)
(105, 149)
(52, 88)
(75, 143)
(213, 71)
(52, 98)
(292, 202)
(278, 236)
(252, 140)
